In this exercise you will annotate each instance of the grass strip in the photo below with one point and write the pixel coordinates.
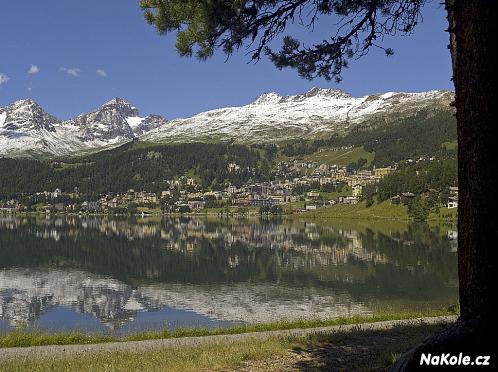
(351, 351)
(25, 338)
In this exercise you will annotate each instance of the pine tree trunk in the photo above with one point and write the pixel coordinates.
(473, 44)
(475, 72)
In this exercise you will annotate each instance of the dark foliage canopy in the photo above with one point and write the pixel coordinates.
(202, 26)
(135, 166)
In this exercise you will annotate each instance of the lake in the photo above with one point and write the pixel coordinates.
(123, 275)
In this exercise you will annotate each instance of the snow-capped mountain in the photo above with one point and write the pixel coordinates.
(116, 120)
(26, 115)
(27, 130)
(318, 112)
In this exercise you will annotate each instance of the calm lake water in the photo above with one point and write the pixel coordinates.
(122, 275)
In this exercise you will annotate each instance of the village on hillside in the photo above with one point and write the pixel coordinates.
(300, 185)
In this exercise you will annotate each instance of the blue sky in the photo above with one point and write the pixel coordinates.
(64, 42)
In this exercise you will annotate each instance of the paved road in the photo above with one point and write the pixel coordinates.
(140, 346)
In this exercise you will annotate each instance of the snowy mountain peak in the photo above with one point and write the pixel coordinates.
(320, 93)
(268, 98)
(108, 123)
(325, 92)
(26, 115)
(116, 101)
(26, 105)
(120, 105)
(24, 102)
(115, 121)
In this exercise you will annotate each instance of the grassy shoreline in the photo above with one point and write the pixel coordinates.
(26, 338)
(382, 211)
(353, 350)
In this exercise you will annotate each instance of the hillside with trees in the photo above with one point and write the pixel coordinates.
(420, 135)
(137, 166)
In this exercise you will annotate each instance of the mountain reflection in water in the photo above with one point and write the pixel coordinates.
(130, 274)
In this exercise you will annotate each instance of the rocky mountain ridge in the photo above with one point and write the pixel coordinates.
(26, 130)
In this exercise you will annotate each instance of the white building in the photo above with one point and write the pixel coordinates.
(357, 190)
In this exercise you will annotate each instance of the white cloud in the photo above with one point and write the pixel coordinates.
(101, 73)
(3, 78)
(73, 71)
(34, 69)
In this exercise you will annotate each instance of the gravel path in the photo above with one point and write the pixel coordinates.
(138, 346)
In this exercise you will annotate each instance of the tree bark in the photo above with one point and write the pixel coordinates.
(473, 44)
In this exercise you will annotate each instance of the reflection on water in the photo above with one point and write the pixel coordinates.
(125, 275)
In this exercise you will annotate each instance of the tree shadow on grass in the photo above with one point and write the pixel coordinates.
(360, 350)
